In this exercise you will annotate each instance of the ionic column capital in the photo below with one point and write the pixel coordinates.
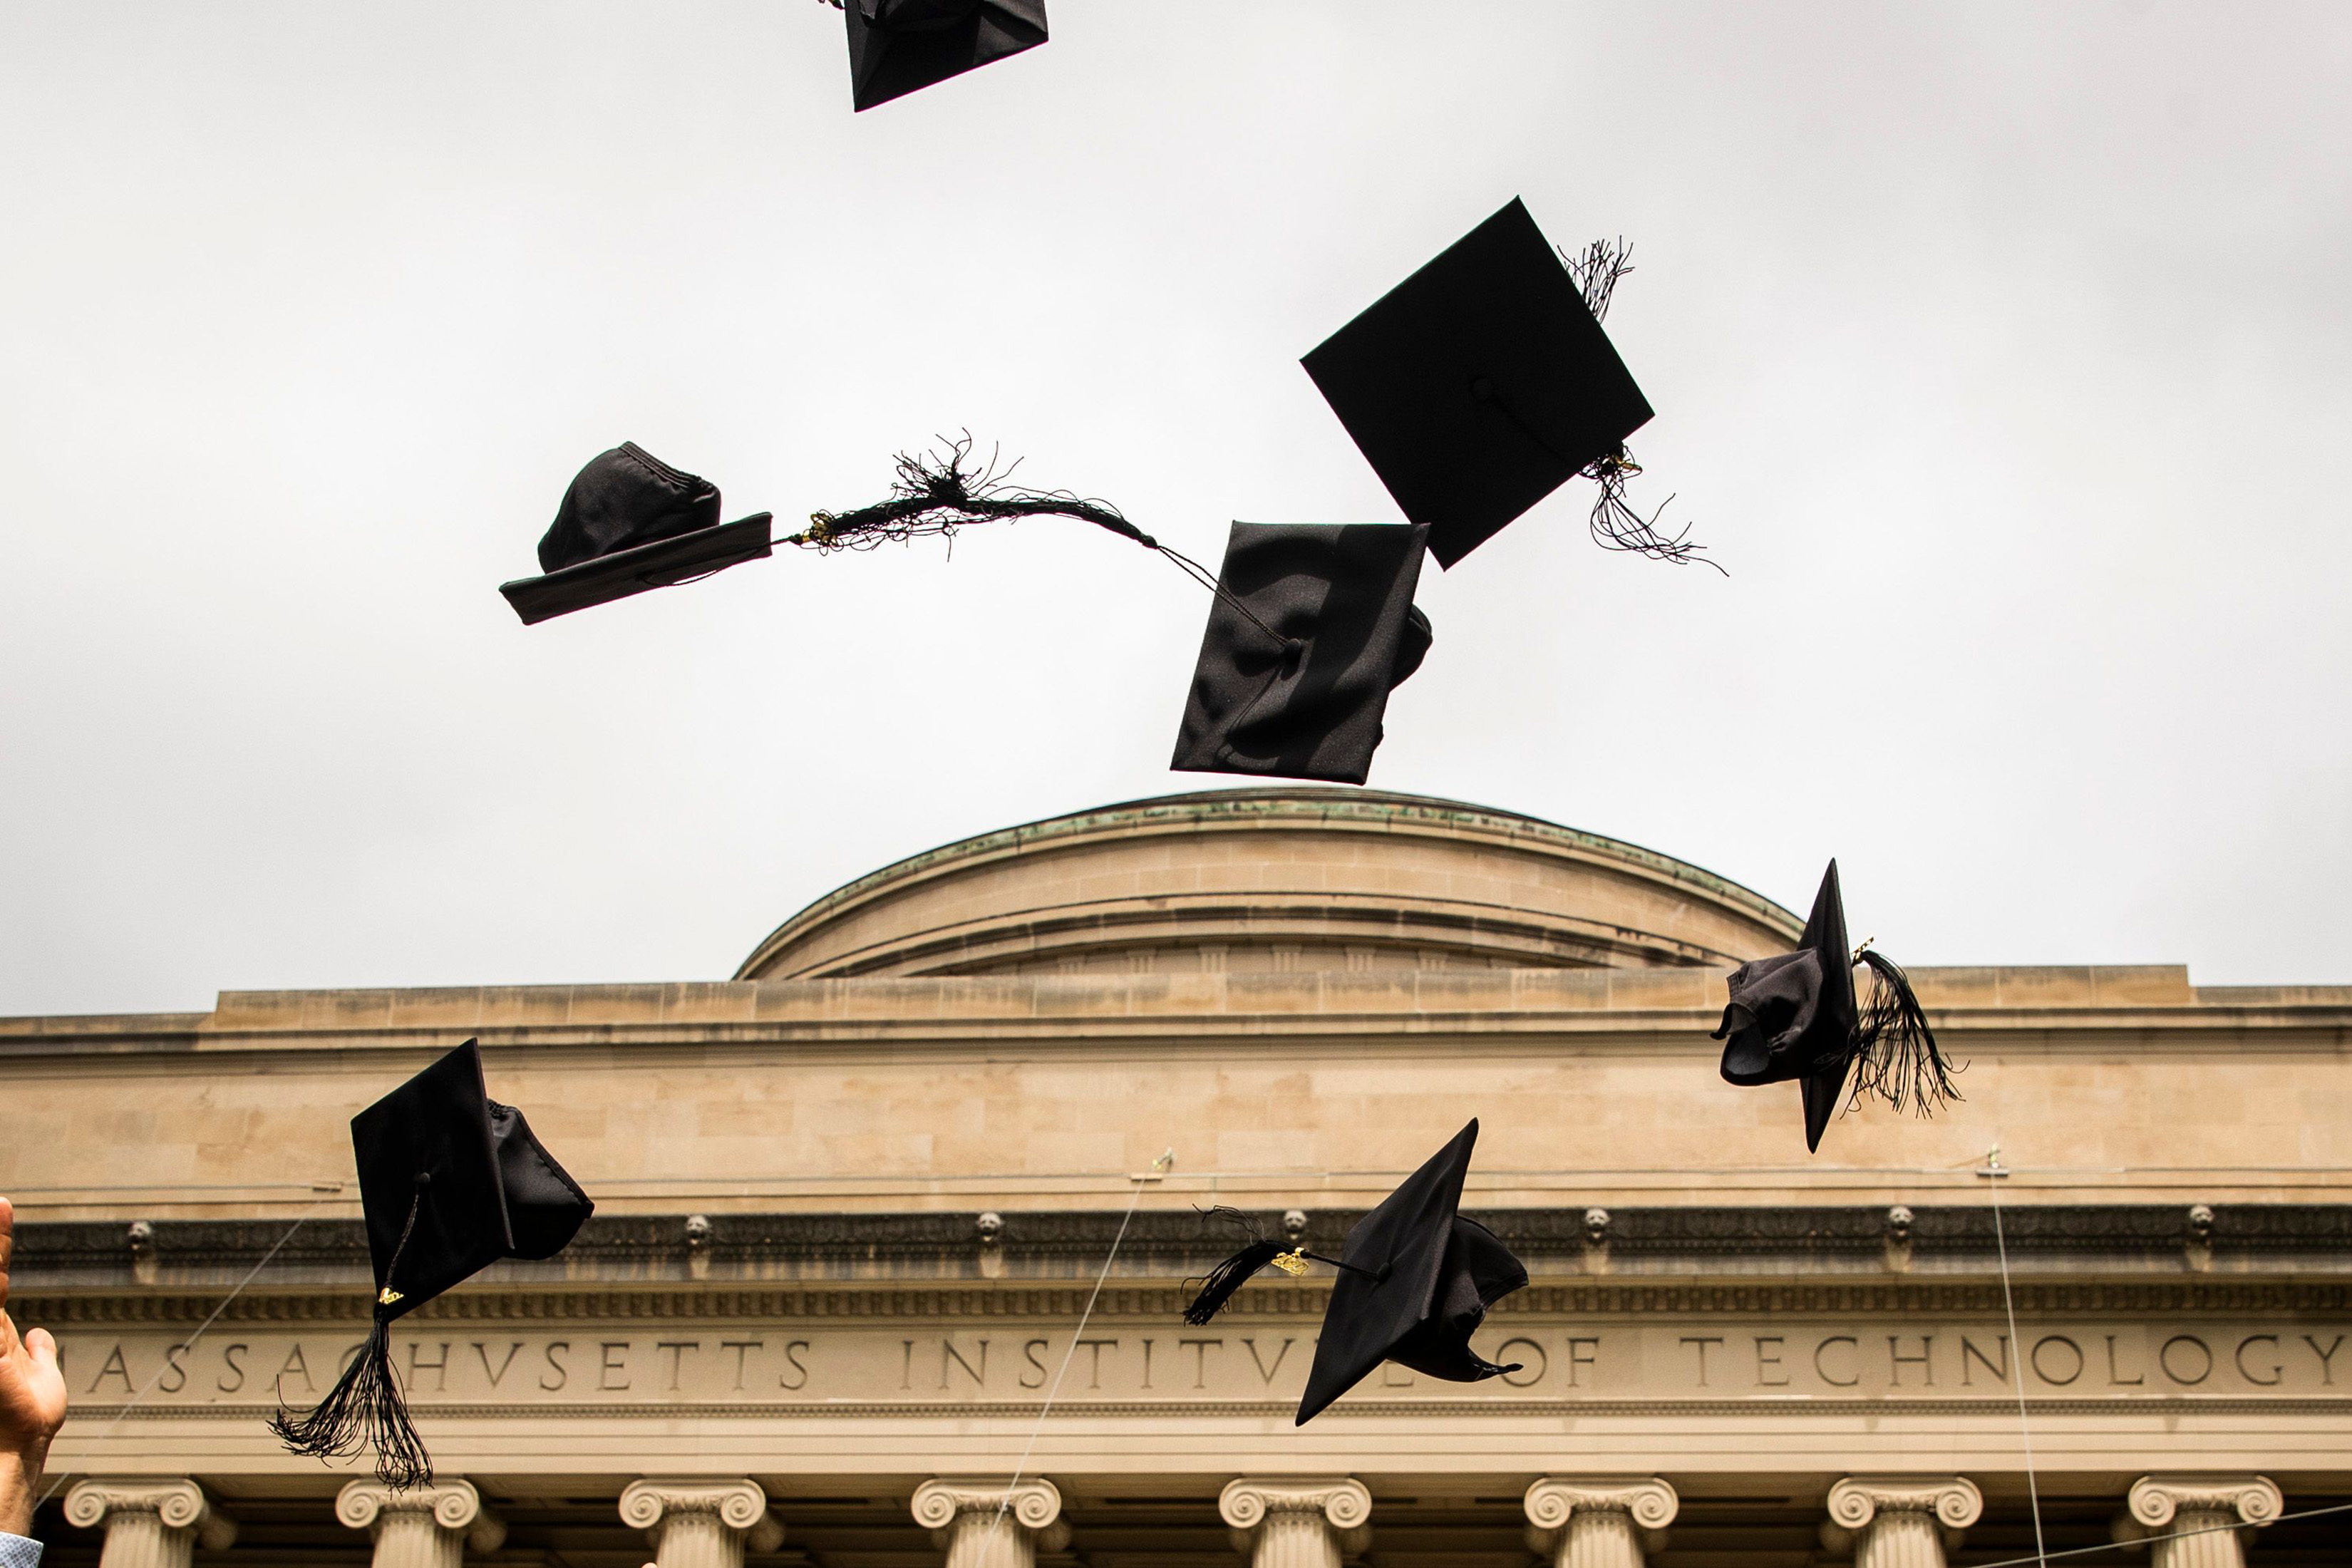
(1857, 1500)
(1553, 1502)
(2157, 1501)
(179, 1505)
(456, 1506)
(1344, 1502)
(738, 1506)
(1036, 1503)
(948, 1506)
(1645, 1503)
(1340, 1505)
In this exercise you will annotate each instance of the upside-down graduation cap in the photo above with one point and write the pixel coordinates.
(1415, 1280)
(1795, 1015)
(1480, 384)
(450, 1183)
(1313, 626)
(898, 46)
(630, 522)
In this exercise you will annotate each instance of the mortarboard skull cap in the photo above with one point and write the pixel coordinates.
(1479, 384)
(629, 522)
(452, 1182)
(1298, 690)
(1794, 1015)
(1417, 1281)
(898, 46)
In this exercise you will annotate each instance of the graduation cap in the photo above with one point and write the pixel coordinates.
(450, 1183)
(1482, 383)
(1313, 626)
(1415, 1280)
(898, 46)
(1796, 1016)
(630, 522)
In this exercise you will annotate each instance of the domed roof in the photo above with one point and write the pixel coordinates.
(1282, 877)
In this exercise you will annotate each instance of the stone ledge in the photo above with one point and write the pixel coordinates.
(635, 1249)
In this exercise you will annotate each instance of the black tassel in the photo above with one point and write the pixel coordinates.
(1229, 1276)
(1895, 1057)
(364, 1409)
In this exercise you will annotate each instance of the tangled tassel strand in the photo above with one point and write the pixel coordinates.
(1595, 270)
(936, 492)
(364, 1409)
(1615, 525)
(1234, 1272)
(1896, 1054)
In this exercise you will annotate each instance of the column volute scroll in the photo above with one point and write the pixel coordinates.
(1599, 1521)
(1298, 1522)
(977, 1523)
(698, 1523)
(421, 1527)
(1900, 1522)
(149, 1523)
(2208, 1518)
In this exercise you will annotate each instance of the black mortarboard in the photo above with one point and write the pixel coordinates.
(630, 522)
(1795, 1015)
(1480, 384)
(1415, 1280)
(898, 46)
(1312, 628)
(450, 1183)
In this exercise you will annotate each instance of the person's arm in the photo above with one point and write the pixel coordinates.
(32, 1408)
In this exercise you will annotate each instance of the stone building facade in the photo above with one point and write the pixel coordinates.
(854, 1203)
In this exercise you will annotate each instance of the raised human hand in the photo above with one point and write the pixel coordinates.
(32, 1399)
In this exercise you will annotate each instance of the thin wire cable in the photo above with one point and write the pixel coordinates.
(1160, 1164)
(123, 1415)
(2016, 1356)
(2152, 1539)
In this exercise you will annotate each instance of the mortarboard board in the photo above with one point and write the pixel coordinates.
(1482, 383)
(450, 1183)
(1795, 1015)
(898, 46)
(1415, 1280)
(1312, 628)
(629, 522)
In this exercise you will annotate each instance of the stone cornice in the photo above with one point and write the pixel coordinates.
(2028, 1010)
(804, 1254)
(981, 1304)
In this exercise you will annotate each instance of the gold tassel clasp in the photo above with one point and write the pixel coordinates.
(387, 1296)
(1293, 1262)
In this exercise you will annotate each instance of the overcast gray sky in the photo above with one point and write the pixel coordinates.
(1999, 352)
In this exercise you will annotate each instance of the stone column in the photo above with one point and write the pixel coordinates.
(970, 1520)
(1297, 1523)
(1900, 1522)
(1578, 1522)
(696, 1524)
(2162, 1505)
(149, 1523)
(424, 1527)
